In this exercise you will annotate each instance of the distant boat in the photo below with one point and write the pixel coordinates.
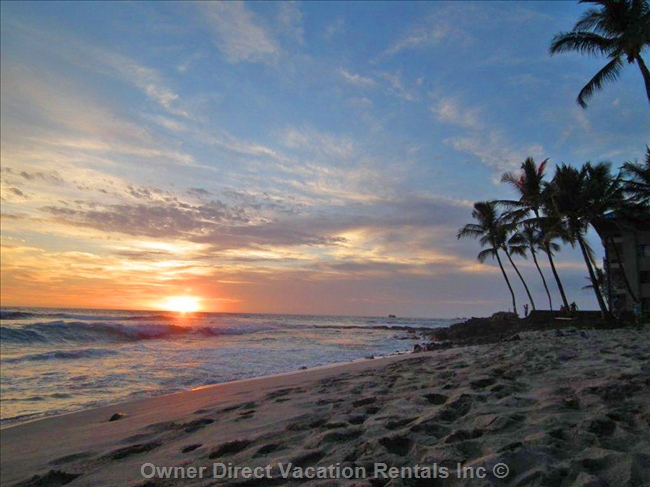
(392, 316)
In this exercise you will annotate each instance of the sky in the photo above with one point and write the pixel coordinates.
(309, 158)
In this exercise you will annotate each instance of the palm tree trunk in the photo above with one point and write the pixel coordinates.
(646, 75)
(592, 276)
(532, 303)
(560, 287)
(628, 288)
(505, 276)
(541, 274)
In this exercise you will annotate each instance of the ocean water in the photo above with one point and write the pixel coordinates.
(60, 360)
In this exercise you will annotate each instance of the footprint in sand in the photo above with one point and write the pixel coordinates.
(230, 448)
(309, 457)
(398, 445)
(394, 424)
(72, 458)
(131, 450)
(270, 448)
(435, 398)
(52, 478)
(364, 402)
(189, 448)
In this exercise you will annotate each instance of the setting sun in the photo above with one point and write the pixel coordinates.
(181, 304)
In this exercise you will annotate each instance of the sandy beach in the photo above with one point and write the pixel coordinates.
(557, 407)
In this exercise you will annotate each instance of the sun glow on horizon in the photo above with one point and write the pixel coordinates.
(181, 304)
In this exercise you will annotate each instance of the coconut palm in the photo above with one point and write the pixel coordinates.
(533, 239)
(637, 182)
(602, 284)
(490, 232)
(511, 248)
(605, 194)
(529, 186)
(616, 29)
(571, 197)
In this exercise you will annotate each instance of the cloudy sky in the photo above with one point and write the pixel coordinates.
(284, 157)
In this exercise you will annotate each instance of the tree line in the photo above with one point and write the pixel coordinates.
(560, 211)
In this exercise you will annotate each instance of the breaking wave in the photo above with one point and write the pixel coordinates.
(63, 355)
(80, 331)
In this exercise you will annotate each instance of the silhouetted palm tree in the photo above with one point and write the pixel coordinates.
(617, 29)
(533, 239)
(571, 198)
(511, 248)
(490, 232)
(605, 195)
(637, 182)
(601, 277)
(529, 186)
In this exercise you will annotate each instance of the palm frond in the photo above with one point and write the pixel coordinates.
(582, 41)
(484, 254)
(608, 74)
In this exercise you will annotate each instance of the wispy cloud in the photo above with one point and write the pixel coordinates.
(290, 20)
(396, 85)
(357, 79)
(334, 29)
(238, 33)
(429, 33)
(450, 110)
(495, 150)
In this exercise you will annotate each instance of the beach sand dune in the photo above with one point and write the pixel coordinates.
(567, 408)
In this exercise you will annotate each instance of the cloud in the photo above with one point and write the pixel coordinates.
(450, 110)
(429, 33)
(396, 86)
(238, 34)
(51, 177)
(334, 29)
(290, 20)
(357, 79)
(190, 61)
(105, 61)
(494, 149)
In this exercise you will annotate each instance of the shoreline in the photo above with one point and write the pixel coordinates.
(10, 424)
(563, 409)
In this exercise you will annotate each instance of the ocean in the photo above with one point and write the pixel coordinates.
(56, 361)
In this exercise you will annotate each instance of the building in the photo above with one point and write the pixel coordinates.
(627, 257)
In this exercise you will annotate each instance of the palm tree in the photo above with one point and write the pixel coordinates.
(617, 29)
(602, 284)
(529, 186)
(571, 198)
(606, 195)
(489, 229)
(637, 184)
(529, 236)
(510, 248)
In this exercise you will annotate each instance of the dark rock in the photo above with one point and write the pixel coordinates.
(117, 417)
